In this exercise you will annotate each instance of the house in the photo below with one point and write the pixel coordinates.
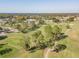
(76, 18)
(2, 21)
(2, 33)
(48, 21)
(9, 30)
(32, 22)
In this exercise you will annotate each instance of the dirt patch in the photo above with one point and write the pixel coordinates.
(73, 34)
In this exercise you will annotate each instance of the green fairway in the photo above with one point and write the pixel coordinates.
(15, 41)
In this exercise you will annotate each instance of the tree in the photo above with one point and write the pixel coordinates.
(56, 32)
(46, 37)
(32, 40)
(56, 20)
(71, 19)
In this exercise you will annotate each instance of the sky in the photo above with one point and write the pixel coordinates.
(39, 6)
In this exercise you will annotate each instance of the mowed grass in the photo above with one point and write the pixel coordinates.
(15, 39)
(16, 42)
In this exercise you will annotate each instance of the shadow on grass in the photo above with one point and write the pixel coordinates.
(5, 51)
(59, 47)
(33, 49)
(1, 45)
(61, 36)
(3, 37)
